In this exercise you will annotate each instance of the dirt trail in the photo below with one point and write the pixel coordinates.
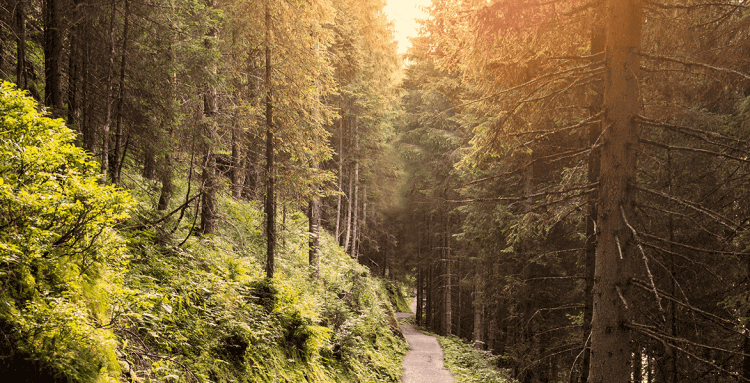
(424, 361)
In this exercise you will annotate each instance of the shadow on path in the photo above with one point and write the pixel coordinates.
(424, 361)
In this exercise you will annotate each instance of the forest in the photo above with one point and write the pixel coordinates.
(233, 190)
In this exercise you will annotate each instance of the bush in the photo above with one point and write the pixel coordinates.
(59, 254)
(469, 365)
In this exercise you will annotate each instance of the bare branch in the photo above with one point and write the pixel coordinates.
(695, 150)
(661, 337)
(645, 261)
(693, 63)
(693, 206)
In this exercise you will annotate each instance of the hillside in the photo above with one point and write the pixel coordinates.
(99, 286)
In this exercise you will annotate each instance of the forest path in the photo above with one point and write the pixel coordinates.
(424, 361)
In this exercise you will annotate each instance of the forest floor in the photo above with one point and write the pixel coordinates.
(424, 361)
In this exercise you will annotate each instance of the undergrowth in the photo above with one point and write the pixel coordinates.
(203, 311)
(470, 365)
(96, 285)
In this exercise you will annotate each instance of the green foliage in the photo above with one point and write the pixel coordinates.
(80, 303)
(58, 250)
(469, 365)
(397, 297)
(206, 312)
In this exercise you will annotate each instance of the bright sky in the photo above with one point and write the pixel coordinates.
(403, 13)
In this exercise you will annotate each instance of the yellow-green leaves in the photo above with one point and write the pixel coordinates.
(56, 241)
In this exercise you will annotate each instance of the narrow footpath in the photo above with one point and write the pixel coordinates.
(424, 361)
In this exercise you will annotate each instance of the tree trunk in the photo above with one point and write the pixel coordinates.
(610, 337)
(116, 165)
(355, 205)
(420, 294)
(340, 180)
(347, 236)
(209, 203)
(110, 96)
(236, 171)
(314, 224)
(20, 24)
(430, 322)
(74, 75)
(595, 129)
(270, 206)
(3, 55)
(448, 290)
(89, 131)
(167, 186)
(208, 200)
(53, 95)
(478, 306)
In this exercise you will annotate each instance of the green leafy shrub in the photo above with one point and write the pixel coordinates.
(59, 255)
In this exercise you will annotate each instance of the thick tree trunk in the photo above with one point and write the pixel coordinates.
(270, 206)
(53, 95)
(615, 259)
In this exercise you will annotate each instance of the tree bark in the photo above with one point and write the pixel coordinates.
(355, 205)
(121, 98)
(236, 170)
(420, 294)
(167, 186)
(74, 73)
(53, 95)
(209, 203)
(110, 96)
(448, 290)
(340, 179)
(314, 223)
(270, 206)
(20, 24)
(610, 337)
(478, 335)
(347, 236)
(595, 130)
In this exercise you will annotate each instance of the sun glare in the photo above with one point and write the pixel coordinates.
(403, 13)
